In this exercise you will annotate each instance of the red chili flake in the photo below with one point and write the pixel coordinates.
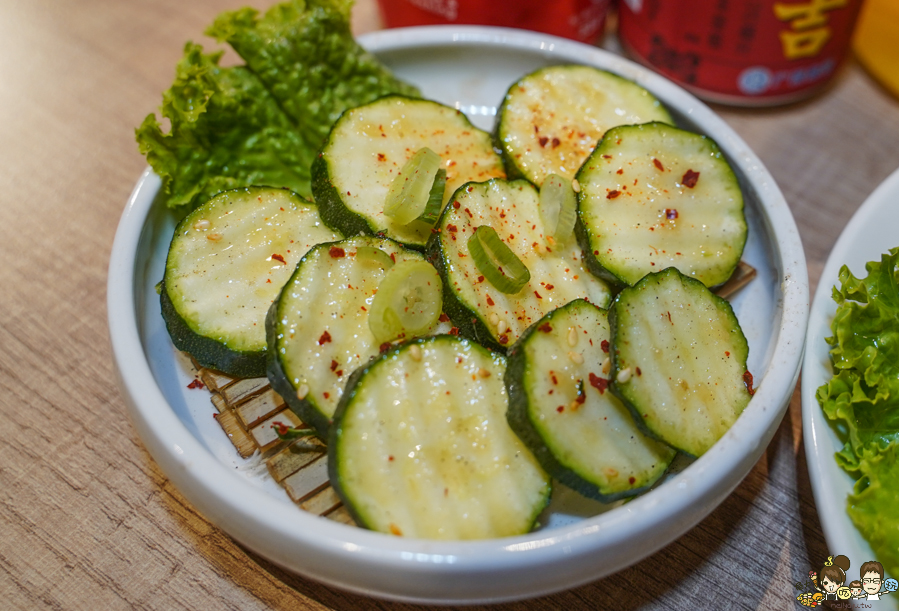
(727, 353)
(324, 339)
(620, 171)
(348, 193)
(333, 365)
(454, 331)
(604, 345)
(196, 384)
(390, 458)
(556, 142)
(631, 480)
(279, 258)
(339, 373)
(326, 395)
(690, 179)
(747, 380)
(560, 409)
(600, 384)
(480, 279)
(268, 281)
(384, 347)
(545, 327)
(470, 215)
(490, 301)
(581, 397)
(670, 214)
(452, 228)
(443, 317)
(504, 339)
(553, 377)
(456, 205)
(606, 156)
(393, 257)
(381, 157)
(280, 428)
(613, 194)
(336, 252)
(435, 230)
(549, 287)
(543, 141)
(658, 164)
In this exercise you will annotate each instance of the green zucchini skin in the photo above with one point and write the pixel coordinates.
(421, 419)
(681, 322)
(226, 263)
(530, 412)
(557, 273)
(357, 164)
(639, 212)
(550, 120)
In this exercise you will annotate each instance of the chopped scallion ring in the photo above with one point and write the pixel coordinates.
(493, 258)
(410, 191)
(558, 208)
(435, 200)
(408, 302)
(374, 256)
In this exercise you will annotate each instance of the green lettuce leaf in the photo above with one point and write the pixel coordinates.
(862, 400)
(226, 131)
(304, 53)
(874, 505)
(263, 123)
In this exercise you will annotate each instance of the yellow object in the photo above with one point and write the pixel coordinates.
(876, 41)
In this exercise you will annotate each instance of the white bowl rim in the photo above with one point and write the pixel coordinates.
(272, 528)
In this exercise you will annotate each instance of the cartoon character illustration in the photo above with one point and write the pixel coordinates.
(856, 588)
(833, 575)
(872, 579)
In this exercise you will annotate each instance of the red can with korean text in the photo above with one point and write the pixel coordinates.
(742, 52)
(581, 20)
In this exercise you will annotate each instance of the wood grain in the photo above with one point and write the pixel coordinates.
(87, 520)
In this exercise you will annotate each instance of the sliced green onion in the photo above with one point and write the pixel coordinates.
(435, 199)
(410, 191)
(558, 208)
(408, 302)
(374, 256)
(496, 261)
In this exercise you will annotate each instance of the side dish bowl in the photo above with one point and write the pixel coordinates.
(470, 68)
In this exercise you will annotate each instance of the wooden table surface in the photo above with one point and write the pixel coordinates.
(88, 521)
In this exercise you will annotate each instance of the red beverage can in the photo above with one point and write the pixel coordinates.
(581, 20)
(743, 52)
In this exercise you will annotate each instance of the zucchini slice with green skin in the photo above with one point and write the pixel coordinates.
(551, 119)
(420, 446)
(654, 196)
(318, 329)
(370, 144)
(227, 261)
(557, 274)
(560, 406)
(679, 360)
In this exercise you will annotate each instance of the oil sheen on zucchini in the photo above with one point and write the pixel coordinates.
(227, 261)
(654, 196)
(561, 407)
(679, 360)
(420, 446)
(551, 119)
(368, 146)
(557, 274)
(318, 329)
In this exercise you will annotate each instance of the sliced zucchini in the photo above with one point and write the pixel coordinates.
(370, 144)
(227, 261)
(420, 446)
(318, 330)
(654, 196)
(478, 307)
(679, 360)
(551, 119)
(560, 406)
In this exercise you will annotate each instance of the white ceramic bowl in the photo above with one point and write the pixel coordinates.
(470, 68)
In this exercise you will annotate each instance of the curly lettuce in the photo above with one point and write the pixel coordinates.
(862, 399)
(261, 123)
